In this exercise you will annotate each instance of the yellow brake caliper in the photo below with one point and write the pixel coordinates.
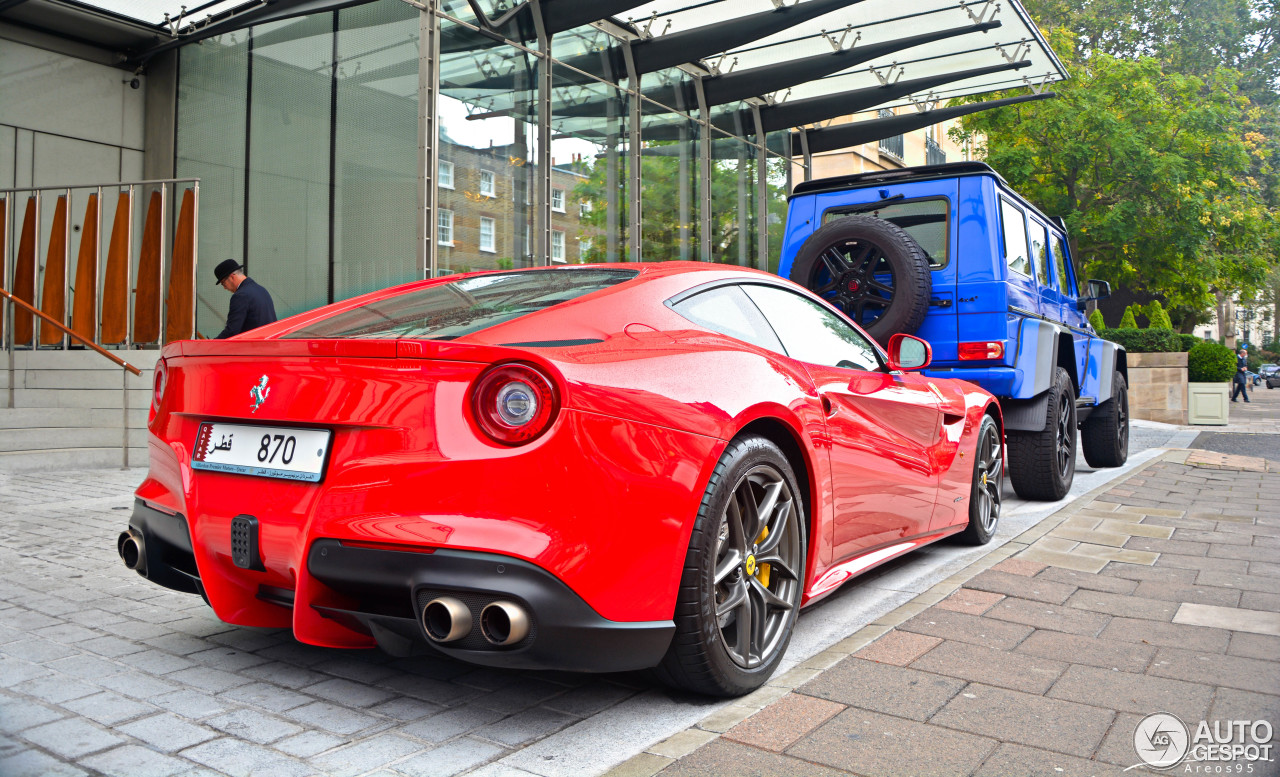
(762, 570)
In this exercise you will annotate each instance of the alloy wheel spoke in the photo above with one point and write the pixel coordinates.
(864, 260)
(878, 286)
(778, 567)
(737, 594)
(768, 599)
(746, 627)
(777, 530)
(835, 262)
(725, 566)
(752, 519)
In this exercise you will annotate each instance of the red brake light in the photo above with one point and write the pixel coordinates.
(514, 403)
(982, 351)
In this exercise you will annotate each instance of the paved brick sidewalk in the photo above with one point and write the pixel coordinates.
(1161, 595)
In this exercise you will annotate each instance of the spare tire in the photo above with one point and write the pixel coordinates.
(870, 269)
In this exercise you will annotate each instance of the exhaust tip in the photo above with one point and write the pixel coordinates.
(129, 546)
(504, 623)
(446, 619)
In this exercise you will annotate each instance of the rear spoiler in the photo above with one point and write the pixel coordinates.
(442, 350)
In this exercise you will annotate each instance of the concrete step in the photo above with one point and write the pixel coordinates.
(78, 417)
(102, 380)
(94, 398)
(41, 437)
(70, 458)
(78, 360)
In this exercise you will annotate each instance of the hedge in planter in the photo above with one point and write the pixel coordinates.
(1146, 340)
(1189, 341)
(1210, 363)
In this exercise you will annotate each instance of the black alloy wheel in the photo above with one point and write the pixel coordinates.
(1104, 436)
(1042, 464)
(743, 576)
(987, 493)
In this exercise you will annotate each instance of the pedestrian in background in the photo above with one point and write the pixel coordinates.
(1242, 375)
(251, 305)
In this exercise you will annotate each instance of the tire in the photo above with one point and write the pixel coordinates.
(986, 494)
(731, 635)
(1104, 436)
(870, 269)
(1043, 464)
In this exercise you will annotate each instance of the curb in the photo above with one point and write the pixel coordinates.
(666, 752)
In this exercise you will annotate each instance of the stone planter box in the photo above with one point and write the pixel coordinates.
(1208, 403)
(1158, 387)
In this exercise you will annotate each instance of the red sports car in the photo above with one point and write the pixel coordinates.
(596, 468)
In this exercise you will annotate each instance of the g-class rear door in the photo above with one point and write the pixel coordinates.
(927, 211)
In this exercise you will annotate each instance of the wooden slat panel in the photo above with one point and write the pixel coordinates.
(24, 278)
(84, 302)
(115, 288)
(54, 299)
(146, 297)
(179, 312)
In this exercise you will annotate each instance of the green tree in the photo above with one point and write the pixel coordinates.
(1156, 317)
(1151, 170)
(1127, 321)
(1097, 321)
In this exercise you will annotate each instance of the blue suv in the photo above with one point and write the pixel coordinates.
(950, 253)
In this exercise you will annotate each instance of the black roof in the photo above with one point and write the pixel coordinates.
(899, 175)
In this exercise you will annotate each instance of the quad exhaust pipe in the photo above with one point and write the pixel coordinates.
(131, 549)
(446, 619)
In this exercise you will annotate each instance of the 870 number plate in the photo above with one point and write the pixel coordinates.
(262, 451)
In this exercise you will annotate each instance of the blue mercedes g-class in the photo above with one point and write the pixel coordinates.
(952, 254)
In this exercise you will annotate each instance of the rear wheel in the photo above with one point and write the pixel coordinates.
(1104, 437)
(740, 589)
(985, 496)
(1042, 464)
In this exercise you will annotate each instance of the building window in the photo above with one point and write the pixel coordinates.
(584, 208)
(891, 145)
(584, 248)
(487, 186)
(444, 227)
(933, 153)
(557, 245)
(445, 175)
(557, 200)
(486, 235)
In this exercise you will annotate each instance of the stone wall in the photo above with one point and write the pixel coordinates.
(1158, 387)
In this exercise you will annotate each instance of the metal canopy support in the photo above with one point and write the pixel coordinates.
(846, 135)
(801, 112)
(762, 192)
(428, 135)
(635, 108)
(542, 190)
(704, 158)
(806, 153)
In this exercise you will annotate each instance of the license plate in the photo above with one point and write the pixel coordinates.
(262, 451)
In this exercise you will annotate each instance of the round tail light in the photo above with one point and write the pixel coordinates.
(514, 403)
(158, 382)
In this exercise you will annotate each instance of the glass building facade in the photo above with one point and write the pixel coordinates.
(354, 149)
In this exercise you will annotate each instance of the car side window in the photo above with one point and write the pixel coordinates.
(1014, 227)
(810, 332)
(1065, 272)
(1040, 254)
(726, 309)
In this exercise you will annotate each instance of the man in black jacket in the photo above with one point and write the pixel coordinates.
(251, 305)
(1241, 379)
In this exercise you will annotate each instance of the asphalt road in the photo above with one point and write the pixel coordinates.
(1261, 413)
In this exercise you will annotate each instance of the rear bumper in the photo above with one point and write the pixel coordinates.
(565, 632)
(376, 595)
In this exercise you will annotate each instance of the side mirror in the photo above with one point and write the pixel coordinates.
(909, 353)
(1097, 290)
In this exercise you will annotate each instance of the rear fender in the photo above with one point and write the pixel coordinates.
(1035, 357)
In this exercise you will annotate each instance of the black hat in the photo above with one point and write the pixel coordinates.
(225, 268)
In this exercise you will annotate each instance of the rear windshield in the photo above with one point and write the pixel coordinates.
(924, 220)
(466, 306)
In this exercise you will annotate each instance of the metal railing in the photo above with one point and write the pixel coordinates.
(166, 188)
(933, 153)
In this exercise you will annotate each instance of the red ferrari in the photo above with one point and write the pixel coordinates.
(596, 468)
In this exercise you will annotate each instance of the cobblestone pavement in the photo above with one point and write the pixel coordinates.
(1160, 593)
(104, 672)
